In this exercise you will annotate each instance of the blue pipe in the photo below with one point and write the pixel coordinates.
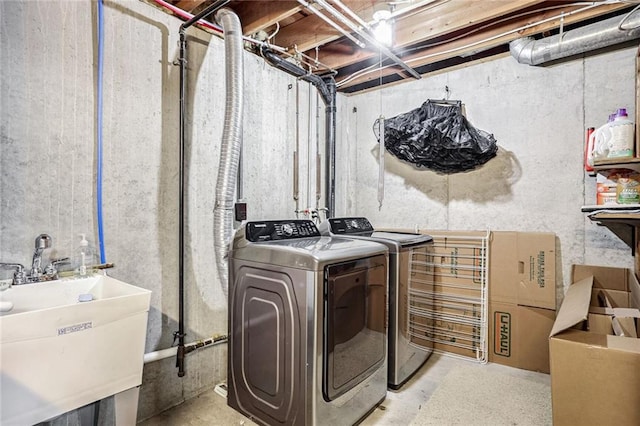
(103, 258)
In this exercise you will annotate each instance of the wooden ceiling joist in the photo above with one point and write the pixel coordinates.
(438, 20)
(476, 41)
(188, 5)
(260, 15)
(462, 28)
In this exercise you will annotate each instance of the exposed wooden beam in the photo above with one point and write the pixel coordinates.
(306, 33)
(259, 15)
(436, 20)
(189, 5)
(311, 31)
(480, 40)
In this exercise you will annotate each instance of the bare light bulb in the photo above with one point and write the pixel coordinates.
(383, 31)
(382, 15)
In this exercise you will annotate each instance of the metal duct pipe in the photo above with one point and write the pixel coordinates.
(591, 37)
(231, 143)
(296, 71)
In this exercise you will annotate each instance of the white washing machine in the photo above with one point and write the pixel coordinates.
(307, 325)
(405, 356)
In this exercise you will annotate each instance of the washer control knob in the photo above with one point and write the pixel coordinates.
(355, 224)
(287, 229)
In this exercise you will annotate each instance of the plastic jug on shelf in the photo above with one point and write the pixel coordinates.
(599, 142)
(620, 140)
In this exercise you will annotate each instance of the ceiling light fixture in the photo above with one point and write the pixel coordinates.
(365, 34)
(383, 28)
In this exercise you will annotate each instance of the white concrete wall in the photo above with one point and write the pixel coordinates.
(536, 183)
(48, 157)
(48, 160)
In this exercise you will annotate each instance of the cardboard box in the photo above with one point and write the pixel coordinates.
(519, 336)
(522, 298)
(595, 370)
(523, 269)
(521, 288)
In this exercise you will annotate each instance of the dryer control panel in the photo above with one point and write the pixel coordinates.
(350, 225)
(273, 230)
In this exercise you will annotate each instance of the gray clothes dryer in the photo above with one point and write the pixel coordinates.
(405, 357)
(307, 325)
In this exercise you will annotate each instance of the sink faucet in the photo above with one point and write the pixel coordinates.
(43, 241)
(37, 273)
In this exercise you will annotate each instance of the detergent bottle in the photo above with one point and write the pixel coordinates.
(598, 143)
(620, 142)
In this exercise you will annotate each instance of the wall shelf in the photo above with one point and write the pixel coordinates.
(622, 221)
(632, 163)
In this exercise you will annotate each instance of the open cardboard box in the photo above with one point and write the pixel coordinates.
(595, 364)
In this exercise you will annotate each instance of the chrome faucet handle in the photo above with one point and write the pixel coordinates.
(51, 270)
(19, 277)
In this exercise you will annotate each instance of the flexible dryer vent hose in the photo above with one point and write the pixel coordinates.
(231, 143)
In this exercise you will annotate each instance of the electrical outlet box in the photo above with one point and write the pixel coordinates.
(241, 211)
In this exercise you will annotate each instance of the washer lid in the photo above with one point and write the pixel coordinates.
(404, 238)
(297, 244)
(359, 227)
(308, 253)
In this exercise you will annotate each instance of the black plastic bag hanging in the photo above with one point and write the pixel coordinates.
(437, 136)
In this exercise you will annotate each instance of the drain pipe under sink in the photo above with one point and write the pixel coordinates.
(189, 347)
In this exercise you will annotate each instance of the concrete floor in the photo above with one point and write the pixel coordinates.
(399, 408)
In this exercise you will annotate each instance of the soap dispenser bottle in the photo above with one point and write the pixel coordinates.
(84, 257)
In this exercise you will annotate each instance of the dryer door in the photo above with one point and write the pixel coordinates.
(355, 323)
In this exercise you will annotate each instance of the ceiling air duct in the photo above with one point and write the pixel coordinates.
(585, 39)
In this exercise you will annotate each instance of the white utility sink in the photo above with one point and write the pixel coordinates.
(58, 354)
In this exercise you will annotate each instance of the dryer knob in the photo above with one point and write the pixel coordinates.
(355, 224)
